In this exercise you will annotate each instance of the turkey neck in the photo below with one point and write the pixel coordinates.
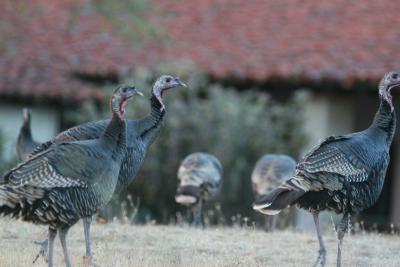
(155, 119)
(26, 129)
(156, 113)
(114, 135)
(385, 120)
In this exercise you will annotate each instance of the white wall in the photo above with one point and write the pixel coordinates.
(44, 124)
(326, 115)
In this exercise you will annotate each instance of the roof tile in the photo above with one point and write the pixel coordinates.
(339, 39)
(44, 43)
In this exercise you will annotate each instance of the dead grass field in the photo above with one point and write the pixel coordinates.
(126, 245)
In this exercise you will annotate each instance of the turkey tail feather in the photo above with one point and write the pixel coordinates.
(9, 202)
(278, 199)
(15, 202)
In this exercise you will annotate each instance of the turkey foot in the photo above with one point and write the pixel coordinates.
(321, 260)
(88, 261)
(43, 250)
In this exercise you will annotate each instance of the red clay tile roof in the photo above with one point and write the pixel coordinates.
(44, 43)
(258, 39)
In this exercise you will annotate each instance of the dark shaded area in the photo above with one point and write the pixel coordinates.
(97, 79)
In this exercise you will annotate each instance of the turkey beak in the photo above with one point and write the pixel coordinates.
(139, 92)
(135, 91)
(178, 81)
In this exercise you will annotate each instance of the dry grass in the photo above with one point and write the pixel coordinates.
(125, 245)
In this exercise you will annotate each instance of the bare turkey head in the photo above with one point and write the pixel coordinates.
(388, 82)
(120, 97)
(26, 114)
(164, 83)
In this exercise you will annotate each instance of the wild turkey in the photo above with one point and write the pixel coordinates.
(343, 173)
(25, 143)
(200, 179)
(70, 180)
(140, 135)
(270, 171)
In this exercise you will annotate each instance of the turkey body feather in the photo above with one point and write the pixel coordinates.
(140, 135)
(61, 184)
(344, 174)
(69, 180)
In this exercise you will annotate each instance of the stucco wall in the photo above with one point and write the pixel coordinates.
(328, 114)
(45, 124)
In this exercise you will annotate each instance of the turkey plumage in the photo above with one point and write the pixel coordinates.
(344, 174)
(200, 178)
(270, 171)
(140, 135)
(70, 180)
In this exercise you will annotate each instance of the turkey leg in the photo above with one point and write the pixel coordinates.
(341, 232)
(52, 236)
(197, 220)
(86, 228)
(63, 234)
(322, 251)
(273, 223)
